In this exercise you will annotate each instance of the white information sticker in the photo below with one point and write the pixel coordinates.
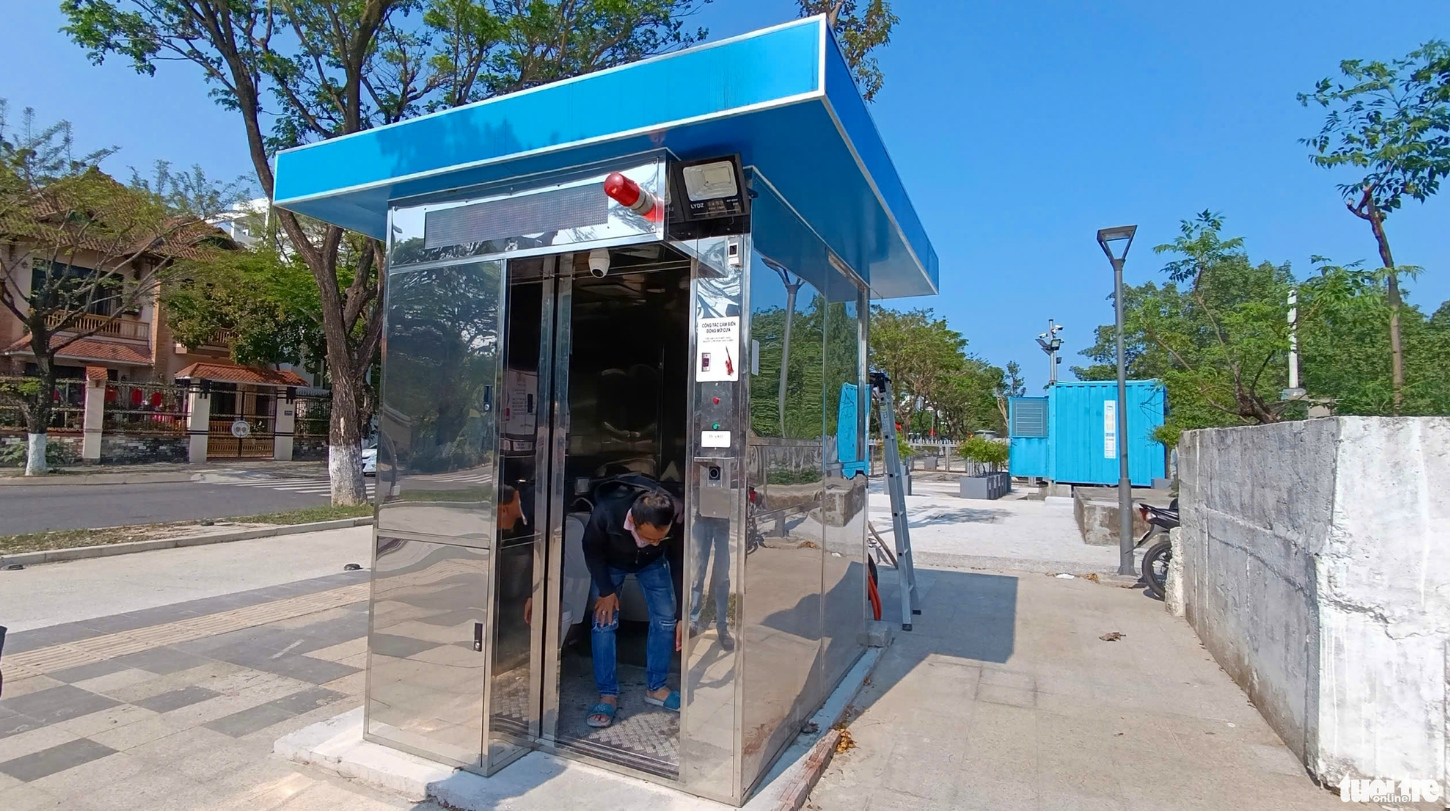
(717, 354)
(1110, 429)
(714, 439)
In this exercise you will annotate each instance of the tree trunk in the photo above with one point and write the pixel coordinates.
(790, 294)
(37, 416)
(35, 454)
(344, 449)
(1397, 356)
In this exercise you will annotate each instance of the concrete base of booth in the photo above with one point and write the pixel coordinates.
(543, 782)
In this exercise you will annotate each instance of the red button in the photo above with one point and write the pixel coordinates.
(717, 401)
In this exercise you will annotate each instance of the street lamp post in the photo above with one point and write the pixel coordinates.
(1110, 239)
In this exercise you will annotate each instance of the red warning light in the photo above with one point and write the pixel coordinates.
(629, 194)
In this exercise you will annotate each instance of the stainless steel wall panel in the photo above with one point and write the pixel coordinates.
(714, 557)
(781, 614)
(437, 450)
(425, 678)
(843, 510)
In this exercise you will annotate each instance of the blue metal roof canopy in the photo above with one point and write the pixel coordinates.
(782, 97)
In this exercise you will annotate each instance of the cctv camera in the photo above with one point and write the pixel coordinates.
(1042, 335)
(599, 263)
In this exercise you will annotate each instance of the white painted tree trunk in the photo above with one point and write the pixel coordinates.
(35, 455)
(344, 470)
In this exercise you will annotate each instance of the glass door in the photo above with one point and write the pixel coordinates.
(526, 421)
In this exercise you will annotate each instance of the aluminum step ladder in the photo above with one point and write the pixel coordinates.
(896, 487)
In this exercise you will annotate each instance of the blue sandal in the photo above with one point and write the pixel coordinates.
(670, 702)
(602, 710)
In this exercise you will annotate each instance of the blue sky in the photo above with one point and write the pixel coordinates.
(1019, 128)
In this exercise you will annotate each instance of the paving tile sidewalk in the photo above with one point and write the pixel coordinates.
(190, 724)
(1004, 696)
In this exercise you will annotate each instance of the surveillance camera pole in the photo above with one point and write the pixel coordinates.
(1050, 344)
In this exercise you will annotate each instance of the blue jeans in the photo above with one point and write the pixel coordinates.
(659, 597)
(711, 535)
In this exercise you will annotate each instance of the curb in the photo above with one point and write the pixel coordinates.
(789, 784)
(107, 550)
(90, 479)
(799, 789)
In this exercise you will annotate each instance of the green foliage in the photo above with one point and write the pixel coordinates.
(985, 451)
(1217, 334)
(191, 192)
(1390, 122)
(36, 155)
(1212, 333)
(926, 358)
(859, 32)
(1168, 435)
(56, 454)
(264, 302)
(1345, 348)
(904, 448)
(82, 251)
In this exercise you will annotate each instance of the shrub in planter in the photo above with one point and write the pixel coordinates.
(985, 451)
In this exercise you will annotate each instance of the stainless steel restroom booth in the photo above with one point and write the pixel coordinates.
(662, 269)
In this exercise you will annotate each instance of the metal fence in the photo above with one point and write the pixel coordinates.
(314, 417)
(938, 455)
(145, 409)
(67, 416)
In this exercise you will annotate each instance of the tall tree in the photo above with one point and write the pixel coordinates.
(1213, 332)
(921, 354)
(1390, 122)
(860, 32)
(1008, 385)
(78, 253)
(328, 68)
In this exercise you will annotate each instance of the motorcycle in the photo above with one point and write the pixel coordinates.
(1155, 560)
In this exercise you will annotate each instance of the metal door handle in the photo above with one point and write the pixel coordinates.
(478, 636)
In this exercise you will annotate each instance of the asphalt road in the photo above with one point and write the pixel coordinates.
(34, 509)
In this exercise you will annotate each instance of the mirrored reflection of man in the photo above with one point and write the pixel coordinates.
(712, 544)
(515, 511)
(636, 533)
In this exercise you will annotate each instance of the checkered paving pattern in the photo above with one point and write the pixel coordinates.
(109, 646)
(182, 714)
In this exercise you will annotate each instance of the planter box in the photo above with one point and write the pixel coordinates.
(987, 486)
(928, 463)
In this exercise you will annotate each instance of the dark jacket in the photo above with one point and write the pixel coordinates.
(608, 545)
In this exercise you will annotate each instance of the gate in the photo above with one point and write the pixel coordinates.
(242, 423)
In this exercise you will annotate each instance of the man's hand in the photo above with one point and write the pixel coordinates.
(679, 635)
(529, 611)
(605, 609)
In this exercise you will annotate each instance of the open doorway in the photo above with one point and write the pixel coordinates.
(621, 341)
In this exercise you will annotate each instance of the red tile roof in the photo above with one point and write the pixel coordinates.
(232, 373)
(88, 349)
(96, 373)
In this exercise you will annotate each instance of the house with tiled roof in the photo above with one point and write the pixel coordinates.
(132, 352)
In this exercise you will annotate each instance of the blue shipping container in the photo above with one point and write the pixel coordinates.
(1078, 443)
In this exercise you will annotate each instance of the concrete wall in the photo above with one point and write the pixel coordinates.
(1316, 570)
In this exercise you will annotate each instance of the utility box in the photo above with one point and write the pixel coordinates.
(1070, 436)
